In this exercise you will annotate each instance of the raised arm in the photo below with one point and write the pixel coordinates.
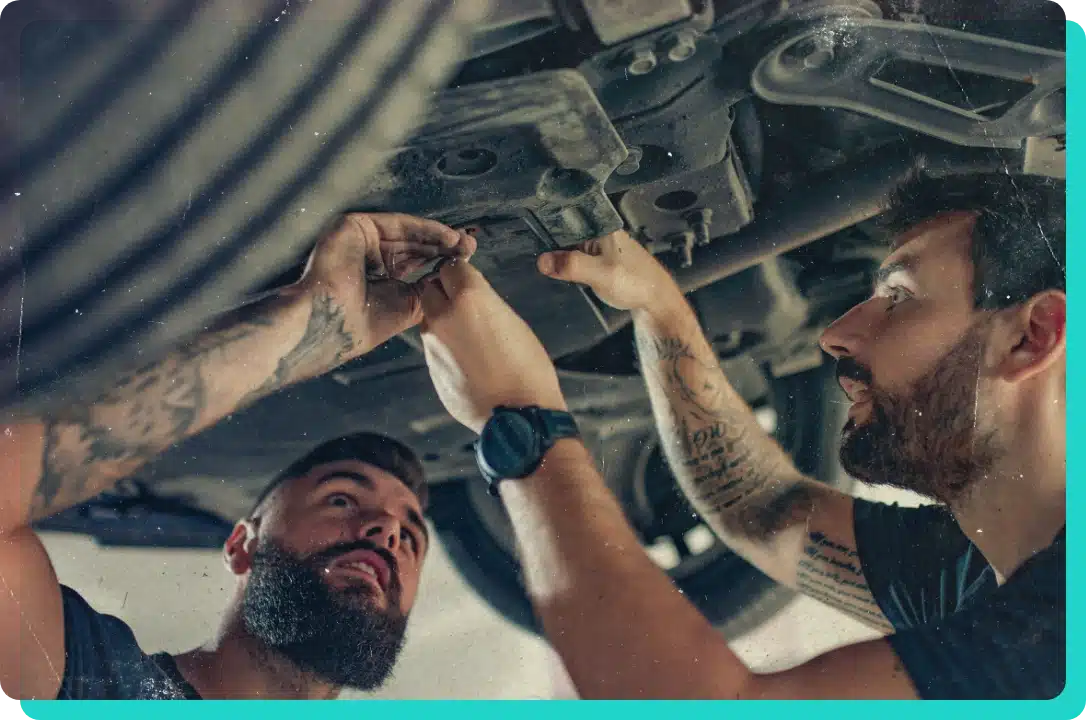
(349, 300)
(793, 528)
(622, 629)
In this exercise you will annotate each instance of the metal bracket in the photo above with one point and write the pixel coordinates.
(836, 65)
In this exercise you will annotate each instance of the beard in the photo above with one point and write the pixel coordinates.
(339, 636)
(927, 440)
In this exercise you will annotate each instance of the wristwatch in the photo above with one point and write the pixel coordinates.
(515, 439)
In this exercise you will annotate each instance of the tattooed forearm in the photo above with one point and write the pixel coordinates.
(719, 453)
(325, 343)
(740, 480)
(92, 444)
(148, 410)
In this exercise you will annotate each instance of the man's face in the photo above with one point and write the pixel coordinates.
(909, 359)
(335, 572)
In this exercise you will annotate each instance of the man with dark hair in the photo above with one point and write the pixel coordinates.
(328, 561)
(956, 370)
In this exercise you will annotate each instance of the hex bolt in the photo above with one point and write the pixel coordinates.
(700, 221)
(632, 163)
(684, 243)
(641, 61)
(682, 46)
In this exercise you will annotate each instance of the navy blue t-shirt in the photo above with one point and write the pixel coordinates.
(958, 634)
(103, 661)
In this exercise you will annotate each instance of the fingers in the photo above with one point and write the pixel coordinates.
(570, 265)
(375, 261)
(456, 276)
(441, 290)
(414, 233)
(400, 267)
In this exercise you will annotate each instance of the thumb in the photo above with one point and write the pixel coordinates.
(457, 275)
(571, 266)
(433, 297)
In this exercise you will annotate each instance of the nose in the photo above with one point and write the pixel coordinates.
(846, 335)
(383, 530)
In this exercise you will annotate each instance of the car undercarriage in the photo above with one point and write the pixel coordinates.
(167, 160)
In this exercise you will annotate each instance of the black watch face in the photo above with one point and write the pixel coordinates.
(509, 444)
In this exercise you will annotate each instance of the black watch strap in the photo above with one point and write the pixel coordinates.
(557, 424)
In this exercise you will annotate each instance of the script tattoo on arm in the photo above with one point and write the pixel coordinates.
(831, 572)
(721, 455)
(741, 481)
(91, 445)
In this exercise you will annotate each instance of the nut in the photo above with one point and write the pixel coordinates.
(641, 61)
(681, 46)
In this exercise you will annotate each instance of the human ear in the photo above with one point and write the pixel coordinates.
(239, 548)
(1035, 337)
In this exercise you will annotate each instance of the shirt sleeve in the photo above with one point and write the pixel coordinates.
(103, 659)
(1011, 645)
(919, 565)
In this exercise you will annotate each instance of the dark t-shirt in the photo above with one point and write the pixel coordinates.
(103, 661)
(958, 635)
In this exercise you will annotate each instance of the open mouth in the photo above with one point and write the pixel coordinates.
(364, 564)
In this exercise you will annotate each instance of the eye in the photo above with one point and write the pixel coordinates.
(407, 537)
(341, 500)
(896, 295)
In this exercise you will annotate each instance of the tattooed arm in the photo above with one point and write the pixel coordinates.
(793, 528)
(277, 341)
(337, 311)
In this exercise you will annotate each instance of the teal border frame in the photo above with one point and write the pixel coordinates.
(1069, 704)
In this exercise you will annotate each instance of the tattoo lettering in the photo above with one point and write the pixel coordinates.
(741, 480)
(723, 459)
(831, 572)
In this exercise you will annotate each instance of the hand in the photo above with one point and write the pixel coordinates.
(619, 270)
(357, 271)
(480, 353)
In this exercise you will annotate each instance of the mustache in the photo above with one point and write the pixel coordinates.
(331, 553)
(849, 369)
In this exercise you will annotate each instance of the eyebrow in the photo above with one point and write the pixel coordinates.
(365, 481)
(886, 271)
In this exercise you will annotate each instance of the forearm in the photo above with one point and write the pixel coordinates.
(620, 626)
(793, 528)
(720, 455)
(280, 339)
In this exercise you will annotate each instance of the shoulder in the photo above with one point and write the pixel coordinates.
(919, 564)
(103, 659)
(1011, 644)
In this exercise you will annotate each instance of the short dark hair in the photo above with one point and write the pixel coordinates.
(381, 451)
(1019, 240)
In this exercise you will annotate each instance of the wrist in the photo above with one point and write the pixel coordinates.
(563, 452)
(665, 308)
(329, 334)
